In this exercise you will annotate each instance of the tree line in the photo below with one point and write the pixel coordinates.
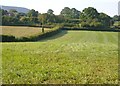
(69, 17)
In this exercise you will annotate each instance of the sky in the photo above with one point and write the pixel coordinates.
(109, 7)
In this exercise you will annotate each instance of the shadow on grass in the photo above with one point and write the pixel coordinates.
(60, 34)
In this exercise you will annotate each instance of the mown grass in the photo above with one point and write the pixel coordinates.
(74, 57)
(21, 31)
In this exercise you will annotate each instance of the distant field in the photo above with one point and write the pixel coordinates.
(70, 57)
(21, 31)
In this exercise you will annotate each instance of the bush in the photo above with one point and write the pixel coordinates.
(96, 24)
(91, 24)
(6, 38)
(70, 25)
(117, 24)
(84, 24)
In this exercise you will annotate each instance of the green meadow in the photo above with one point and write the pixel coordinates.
(70, 57)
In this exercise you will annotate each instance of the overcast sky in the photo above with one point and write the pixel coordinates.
(109, 7)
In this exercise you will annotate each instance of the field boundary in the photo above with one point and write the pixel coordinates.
(10, 38)
(92, 29)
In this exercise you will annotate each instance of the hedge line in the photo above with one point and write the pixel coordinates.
(6, 38)
(92, 29)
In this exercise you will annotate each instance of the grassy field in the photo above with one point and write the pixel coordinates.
(21, 31)
(74, 57)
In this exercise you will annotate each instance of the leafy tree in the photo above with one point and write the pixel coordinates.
(84, 24)
(50, 11)
(3, 12)
(117, 24)
(12, 11)
(95, 19)
(33, 16)
(116, 21)
(48, 18)
(32, 13)
(43, 18)
(19, 15)
(104, 19)
(96, 24)
(59, 19)
(24, 20)
(9, 20)
(70, 13)
(75, 13)
(116, 18)
(66, 12)
(89, 13)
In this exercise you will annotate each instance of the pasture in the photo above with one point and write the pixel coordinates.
(70, 57)
(21, 31)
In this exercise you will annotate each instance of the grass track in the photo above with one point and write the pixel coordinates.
(70, 57)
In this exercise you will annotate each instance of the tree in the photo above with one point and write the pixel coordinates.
(70, 13)
(66, 12)
(117, 24)
(43, 18)
(94, 19)
(104, 19)
(95, 24)
(32, 13)
(33, 16)
(116, 18)
(116, 21)
(3, 12)
(50, 11)
(24, 20)
(48, 18)
(19, 15)
(89, 13)
(59, 19)
(75, 13)
(9, 20)
(12, 11)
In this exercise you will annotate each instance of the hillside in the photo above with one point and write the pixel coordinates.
(19, 9)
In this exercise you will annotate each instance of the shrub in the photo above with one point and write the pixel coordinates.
(117, 24)
(96, 24)
(84, 24)
(6, 38)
